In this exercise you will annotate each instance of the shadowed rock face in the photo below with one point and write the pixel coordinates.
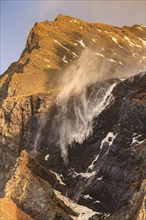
(105, 167)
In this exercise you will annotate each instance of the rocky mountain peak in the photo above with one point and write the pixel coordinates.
(53, 46)
(72, 123)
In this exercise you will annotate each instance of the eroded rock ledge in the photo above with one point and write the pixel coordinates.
(32, 193)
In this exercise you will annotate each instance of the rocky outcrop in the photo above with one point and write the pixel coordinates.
(8, 210)
(32, 193)
(137, 209)
(142, 210)
(48, 52)
(106, 170)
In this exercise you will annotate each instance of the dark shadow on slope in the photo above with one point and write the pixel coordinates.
(124, 117)
(119, 168)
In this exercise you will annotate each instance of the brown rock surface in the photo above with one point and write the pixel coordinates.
(33, 194)
(9, 211)
(52, 46)
(27, 93)
(30, 85)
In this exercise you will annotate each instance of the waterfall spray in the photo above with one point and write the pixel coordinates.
(80, 102)
(41, 124)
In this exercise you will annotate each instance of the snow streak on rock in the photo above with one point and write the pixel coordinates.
(84, 213)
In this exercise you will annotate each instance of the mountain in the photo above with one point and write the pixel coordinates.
(73, 123)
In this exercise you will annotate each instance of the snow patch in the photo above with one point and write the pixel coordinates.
(61, 45)
(81, 43)
(106, 215)
(109, 139)
(111, 60)
(131, 43)
(47, 157)
(92, 164)
(84, 175)
(134, 55)
(75, 54)
(97, 201)
(65, 48)
(140, 28)
(58, 177)
(143, 41)
(135, 140)
(107, 32)
(64, 59)
(94, 40)
(47, 60)
(121, 63)
(122, 79)
(84, 213)
(115, 40)
(99, 54)
(74, 20)
(100, 178)
(87, 197)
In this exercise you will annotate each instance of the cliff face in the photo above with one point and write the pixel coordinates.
(31, 192)
(13, 213)
(70, 103)
(52, 46)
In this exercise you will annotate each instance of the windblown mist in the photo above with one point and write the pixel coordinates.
(85, 93)
(79, 103)
(88, 69)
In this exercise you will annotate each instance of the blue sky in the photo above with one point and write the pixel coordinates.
(18, 17)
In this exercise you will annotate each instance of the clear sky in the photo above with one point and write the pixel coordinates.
(18, 17)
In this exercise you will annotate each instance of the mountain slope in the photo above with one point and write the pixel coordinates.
(48, 51)
(14, 212)
(76, 102)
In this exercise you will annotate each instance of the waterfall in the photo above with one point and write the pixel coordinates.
(41, 124)
(75, 120)
(84, 95)
(82, 98)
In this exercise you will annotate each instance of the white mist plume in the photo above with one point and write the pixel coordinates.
(41, 124)
(77, 106)
(87, 70)
(78, 103)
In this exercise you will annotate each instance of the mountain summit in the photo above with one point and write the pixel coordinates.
(72, 124)
(53, 46)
